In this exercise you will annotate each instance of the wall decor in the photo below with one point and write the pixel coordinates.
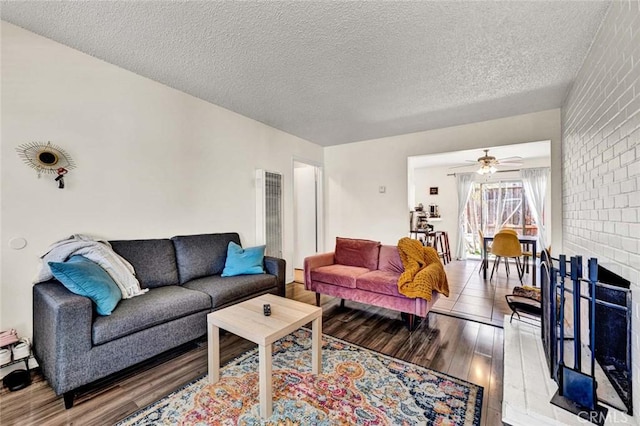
(433, 190)
(46, 158)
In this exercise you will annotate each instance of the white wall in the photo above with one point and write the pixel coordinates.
(152, 161)
(601, 157)
(447, 198)
(355, 208)
(304, 202)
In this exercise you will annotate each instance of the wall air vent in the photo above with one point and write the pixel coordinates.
(269, 211)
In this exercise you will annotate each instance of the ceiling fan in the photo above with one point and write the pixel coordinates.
(488, 163)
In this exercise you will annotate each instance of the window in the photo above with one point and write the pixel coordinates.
(496, 205)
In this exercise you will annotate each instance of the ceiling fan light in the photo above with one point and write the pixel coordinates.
(486, 169)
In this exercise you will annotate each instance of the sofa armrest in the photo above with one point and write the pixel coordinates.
(315, 261)
(276, 266)
(61, 331)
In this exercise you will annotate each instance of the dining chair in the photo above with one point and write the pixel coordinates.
(525, 254)
(548, 250)
(506, 244)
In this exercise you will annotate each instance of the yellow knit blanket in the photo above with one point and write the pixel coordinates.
(423, 271)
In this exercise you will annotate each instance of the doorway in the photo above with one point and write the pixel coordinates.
(307, 210)
(438, 171)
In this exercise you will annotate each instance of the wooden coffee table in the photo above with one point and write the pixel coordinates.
(247, 320)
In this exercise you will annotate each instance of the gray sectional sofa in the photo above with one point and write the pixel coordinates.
(75, 347)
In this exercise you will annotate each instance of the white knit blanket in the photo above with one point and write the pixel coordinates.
(97, 251)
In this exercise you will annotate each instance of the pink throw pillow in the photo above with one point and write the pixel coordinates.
(354, 252)
(390, 259)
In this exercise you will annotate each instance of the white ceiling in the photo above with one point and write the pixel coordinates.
(337, 72)
(526, 151)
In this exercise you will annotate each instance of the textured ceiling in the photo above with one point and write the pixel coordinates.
(337, 72)
(526, 151)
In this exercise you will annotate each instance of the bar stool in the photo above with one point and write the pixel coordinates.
(430, 239)
(439, 240)
(444, 243)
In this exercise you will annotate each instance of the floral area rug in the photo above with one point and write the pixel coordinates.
(357, 386)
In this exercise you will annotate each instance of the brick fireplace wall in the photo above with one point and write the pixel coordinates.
(601, 157)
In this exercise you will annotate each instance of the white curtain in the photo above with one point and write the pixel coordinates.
(500, 204)
(505, 209)
(464, 182)
(534, 182)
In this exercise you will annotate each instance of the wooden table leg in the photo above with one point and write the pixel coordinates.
(486, 258)
(533, 261)
(316, 345)
(266, 399)
(213, 342)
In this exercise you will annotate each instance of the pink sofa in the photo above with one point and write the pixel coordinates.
(364, 271)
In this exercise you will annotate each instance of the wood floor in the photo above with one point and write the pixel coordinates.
(478, 299)
(468, 350)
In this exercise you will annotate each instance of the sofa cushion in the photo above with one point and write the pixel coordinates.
(86, 278)
(202, 255)
(340, 275)
(383, 282)
(360, 253)
(390, 259)
(157, 306)
(224, 290)
(153, 260)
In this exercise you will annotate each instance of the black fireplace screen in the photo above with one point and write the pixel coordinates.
(613, 332)
(609, 336)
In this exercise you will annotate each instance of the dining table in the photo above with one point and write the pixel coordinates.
(527, 241)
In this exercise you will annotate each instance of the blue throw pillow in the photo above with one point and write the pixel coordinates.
(86, 278)
(241, 261)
